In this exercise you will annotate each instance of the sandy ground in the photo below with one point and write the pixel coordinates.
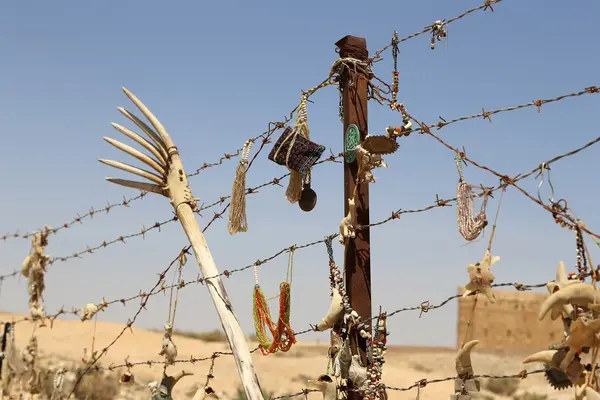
(280, 373)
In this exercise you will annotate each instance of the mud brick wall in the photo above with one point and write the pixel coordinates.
(511, 323)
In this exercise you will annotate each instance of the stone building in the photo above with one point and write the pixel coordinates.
(511, 323)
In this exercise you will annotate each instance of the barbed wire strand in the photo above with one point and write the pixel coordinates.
(129, 323)
(159, 225)
(394, 215)
(276, 181)
(488, 4)
(509, 181)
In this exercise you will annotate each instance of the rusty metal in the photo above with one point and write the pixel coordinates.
(357, 254)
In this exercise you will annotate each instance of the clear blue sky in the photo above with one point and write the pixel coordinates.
(215, 73)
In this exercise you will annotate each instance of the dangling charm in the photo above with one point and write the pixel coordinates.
(169, 350)
(366, 163)
(438, 31)
(297, 152)
(395, 73)
(164, 389)
(481, 278)
(308, 197)
(470, 226)
(349, 224)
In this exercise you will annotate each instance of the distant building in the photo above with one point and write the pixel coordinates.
(511, 323)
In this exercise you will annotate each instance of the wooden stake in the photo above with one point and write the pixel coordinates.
(175, 186)
(357, 255)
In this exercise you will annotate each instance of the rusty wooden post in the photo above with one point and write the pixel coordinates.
(357, 254)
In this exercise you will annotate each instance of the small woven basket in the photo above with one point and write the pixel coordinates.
(303, 155)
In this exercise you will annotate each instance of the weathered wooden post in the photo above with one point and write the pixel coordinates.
(357, 254)
(170, 180)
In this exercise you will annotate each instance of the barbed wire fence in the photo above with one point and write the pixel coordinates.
(562, 215)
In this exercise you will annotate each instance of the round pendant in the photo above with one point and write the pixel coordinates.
(308, 198)
(350, 142)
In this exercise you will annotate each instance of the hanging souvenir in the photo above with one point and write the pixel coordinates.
(237, 209)
(283, 335)
(480, 275)
(340, 302)
(395, 74)
(470, 225)
(164, 389)
(168, 348)
(348, 224)
(326, 385)
(386, 144)
(298, 153)
(438, 31)
(308, 197)
(366, 163)
(465, 386)
(374, 388)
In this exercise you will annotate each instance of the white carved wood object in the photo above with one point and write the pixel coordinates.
(170, 180)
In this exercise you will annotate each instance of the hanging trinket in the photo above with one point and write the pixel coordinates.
(308, 197)
(582, 263)
(373, 388)
(29, 356)
(481, 278)
(164, 389)
(395, 73)
(237, 208)
(127, 378)
(438, 31)
(283, 335)
(349, 224)
(366, 163)
(351, 319)
(89, 311)
(34, 268)
(326, 385)
(470, 225)
(168, 349)
(465, 386)
(297, 152)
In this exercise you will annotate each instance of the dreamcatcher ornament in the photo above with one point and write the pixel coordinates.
(298, 153)
(282, 333)
(470, 225)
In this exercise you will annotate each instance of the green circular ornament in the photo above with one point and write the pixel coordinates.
(351, 141)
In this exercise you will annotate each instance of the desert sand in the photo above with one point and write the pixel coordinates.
(282, 374)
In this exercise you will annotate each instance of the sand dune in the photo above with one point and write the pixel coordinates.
(280, 373)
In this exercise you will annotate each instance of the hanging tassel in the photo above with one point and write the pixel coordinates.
(237, 210)
(294, 189)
